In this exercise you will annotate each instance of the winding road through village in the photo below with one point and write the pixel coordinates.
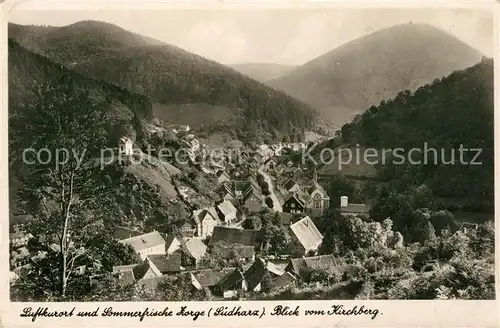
(276, 204)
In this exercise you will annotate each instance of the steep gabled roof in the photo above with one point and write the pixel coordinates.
(255, 273)
(228, 251)
(282, 281)
(210, 278)
(231, 280)
(169, 240)
(211, 210)
(166, 264)
(195, 248)
(355, 208)
(297, 198)
(288, 184)
(200, 215)
(253, 191)
(321, 261)
(315, 185)
(236, 236)
(144, 241)
(274, 269)
(226, 188)
(140, 270)
(123, 278)
(313, 262)
(226, 208)
(307, 233)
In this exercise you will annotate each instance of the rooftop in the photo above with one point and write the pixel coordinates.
(307, 233)
(356, 209)
(166, 264)
(235, 236)
(144, 241)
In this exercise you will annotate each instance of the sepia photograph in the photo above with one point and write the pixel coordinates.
(250, 155)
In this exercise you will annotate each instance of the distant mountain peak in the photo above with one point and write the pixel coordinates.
(350, 78)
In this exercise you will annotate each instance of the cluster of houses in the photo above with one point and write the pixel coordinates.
(310, 198)
(163, 254)
(215, 231)
(203, 221)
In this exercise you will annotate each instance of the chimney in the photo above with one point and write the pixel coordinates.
(344, 201)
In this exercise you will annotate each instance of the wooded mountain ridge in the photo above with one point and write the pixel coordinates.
(360, 73)
(165, 74)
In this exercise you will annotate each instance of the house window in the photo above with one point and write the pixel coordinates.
(317, 204)
(292, 205)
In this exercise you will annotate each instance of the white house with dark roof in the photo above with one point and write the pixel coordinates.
(226, 212)
(205, 221)
(146, 244)
(305, 236)
(347, 209)
(126, 146)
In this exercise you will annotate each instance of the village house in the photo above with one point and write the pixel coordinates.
(208, 279)
(305, 237)
(297, 265)
(256, 273)
(319, 200)
(244, 193)
(146, 244)
(172, 243)
(312, 199)
(289, 186)
(128, 274)
(270, 164)
(231, 284)
(295, 203)
(283, 281)
(347, 209)
(241, 253)
(13, 277)
(226, 212)
(124, 274)
(235, 236)
(253, 200)
(193, 250)
(166, 264)
(126, 146)
(222, 176)
(205, 221)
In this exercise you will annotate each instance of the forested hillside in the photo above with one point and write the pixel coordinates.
(27, 70)
(166, 74)
(453, 112)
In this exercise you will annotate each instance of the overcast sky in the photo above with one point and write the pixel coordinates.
(272, 36)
